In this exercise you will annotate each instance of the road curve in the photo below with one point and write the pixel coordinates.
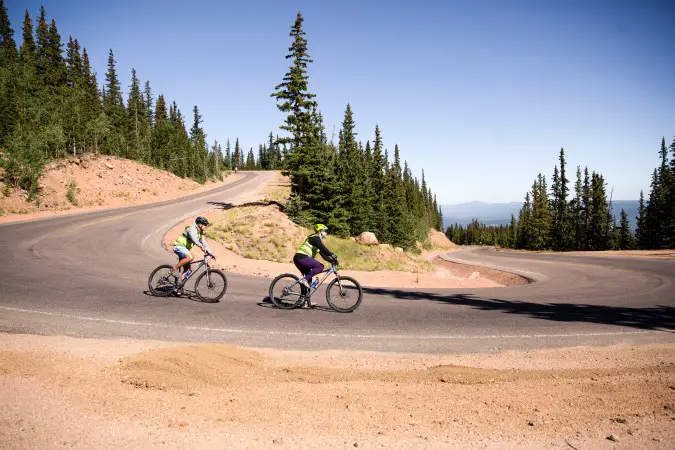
(85, 275)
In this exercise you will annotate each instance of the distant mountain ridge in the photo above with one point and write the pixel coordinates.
(500, 213)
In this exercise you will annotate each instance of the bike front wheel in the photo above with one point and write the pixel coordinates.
(161, 281)
(286, 292)
(211, 286)
(344, 294)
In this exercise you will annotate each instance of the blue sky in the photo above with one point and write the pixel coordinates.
(480, 94)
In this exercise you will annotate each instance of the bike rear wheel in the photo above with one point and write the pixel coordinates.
(344, 294)
(161, 282)
(286, 292)
(211, 288)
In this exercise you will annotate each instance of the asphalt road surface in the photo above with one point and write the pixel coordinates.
(86, 275)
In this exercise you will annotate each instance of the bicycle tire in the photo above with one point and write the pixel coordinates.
(285, 302)
(346, 289)
(163, 290)
(213, 273)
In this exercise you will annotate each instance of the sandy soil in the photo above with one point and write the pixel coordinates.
(69, 392)
(101, 182)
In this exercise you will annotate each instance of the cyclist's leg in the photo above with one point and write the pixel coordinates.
(184, 257)
(308, 267)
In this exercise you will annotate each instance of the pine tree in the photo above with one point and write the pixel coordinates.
(640, 238)
(597, 231)
(228, 156)
(293, 92)
(561, 233)
(8, 73)
(8, 53)
(147, 97)
(401, 228)
(625, 241)
(250, 160)
(114, 109)
(525, 224)
(161, 136)
(198, 159)
(236, 157)
(541, 215)
(378, 182)
(27, 50)
(136, 121)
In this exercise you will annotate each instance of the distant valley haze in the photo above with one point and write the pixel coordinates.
(500, 213)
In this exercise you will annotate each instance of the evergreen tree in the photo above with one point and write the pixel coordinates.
(378, 183)
(625, 241)
(597, 232)
(228, 156)
(27, 50)
(236, 158)
(640, 231)
(198, 160)
(114, 109)
(250, 160)
(525, 226)
(541, 214)
(293, 94)
(8, 72)
(136, 122)
(561, 233)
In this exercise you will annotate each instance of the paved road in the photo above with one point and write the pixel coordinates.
(85, 275)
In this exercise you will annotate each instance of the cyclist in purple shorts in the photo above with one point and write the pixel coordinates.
(304, 258)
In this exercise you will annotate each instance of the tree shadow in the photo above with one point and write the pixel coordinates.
(225, 206)
(660, 317)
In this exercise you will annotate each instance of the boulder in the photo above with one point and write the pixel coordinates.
(398, 249)
(367, 238)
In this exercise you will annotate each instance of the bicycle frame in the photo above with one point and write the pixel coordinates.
(328, 272)
(203, 262)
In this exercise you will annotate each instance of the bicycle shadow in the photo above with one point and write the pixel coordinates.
(267, 303)
(186, 294)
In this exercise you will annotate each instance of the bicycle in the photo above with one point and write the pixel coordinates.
(343, 294)
(162, 282)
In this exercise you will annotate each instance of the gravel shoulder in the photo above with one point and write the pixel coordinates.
(84, 393)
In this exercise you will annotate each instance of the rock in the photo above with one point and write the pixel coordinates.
(612, 438)
(367, 238)
(108, 165)
(619, 420)
(398, 249)
(352, 238)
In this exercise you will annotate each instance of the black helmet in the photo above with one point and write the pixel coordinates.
(202, 220)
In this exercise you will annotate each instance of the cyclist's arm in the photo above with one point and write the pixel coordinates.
(323, 251)
(193, 236)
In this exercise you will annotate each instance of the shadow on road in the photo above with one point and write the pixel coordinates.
(267, 303)
(660, 317)
(226, 206)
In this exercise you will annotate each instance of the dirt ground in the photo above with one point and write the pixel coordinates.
(83, 393)
(99, 182)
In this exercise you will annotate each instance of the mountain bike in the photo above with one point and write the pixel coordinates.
(343, 294)
(210, 285)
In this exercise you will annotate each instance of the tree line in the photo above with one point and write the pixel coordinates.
(554, 220)
(51, 106)
(351, 186)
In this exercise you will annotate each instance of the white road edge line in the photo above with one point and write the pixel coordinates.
(309, 334)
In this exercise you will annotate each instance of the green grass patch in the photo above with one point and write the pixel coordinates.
(72, 192)
(251, 233)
